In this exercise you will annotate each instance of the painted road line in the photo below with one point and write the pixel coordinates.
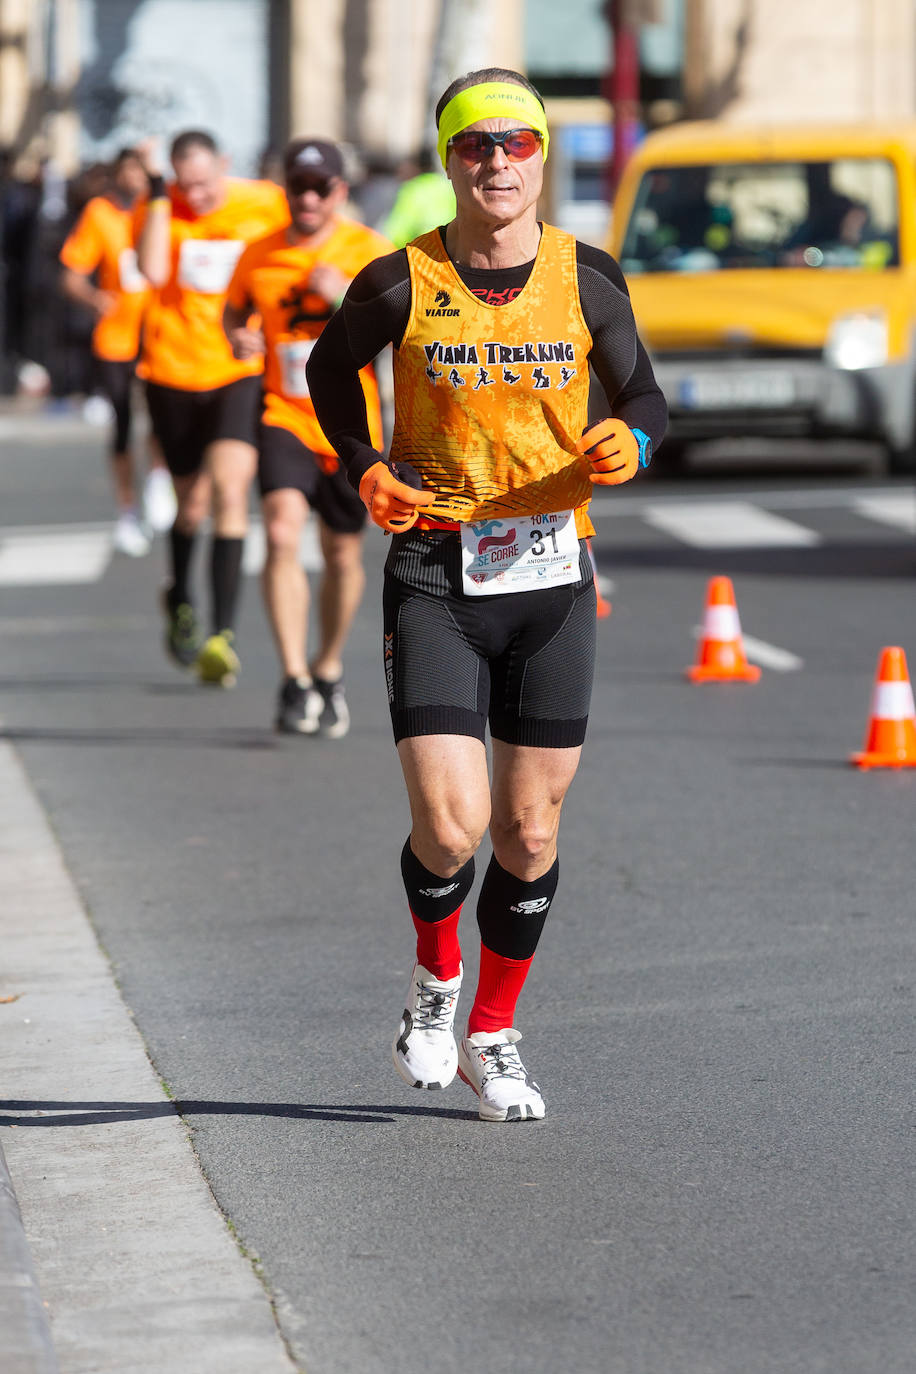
(767, 655)
(53, 560)
(896, 508)
(771, 655)
(808, 498)
(728, 525)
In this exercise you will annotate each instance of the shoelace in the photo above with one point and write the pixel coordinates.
(501, 1061)
(434, 1008)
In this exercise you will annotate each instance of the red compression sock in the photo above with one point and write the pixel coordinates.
(437, 945)
(501, 981)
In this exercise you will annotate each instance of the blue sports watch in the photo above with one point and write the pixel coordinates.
(645, 447)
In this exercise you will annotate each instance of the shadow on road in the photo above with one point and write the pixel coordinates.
(886, 560)
(137, 736)
(18, 1112)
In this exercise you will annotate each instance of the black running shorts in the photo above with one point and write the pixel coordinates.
(522, 661)
(284, 462)
(187, 422)
(115, 378)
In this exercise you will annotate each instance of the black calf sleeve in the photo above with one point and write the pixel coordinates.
(225, 573)
(433, 898)
(511, 913)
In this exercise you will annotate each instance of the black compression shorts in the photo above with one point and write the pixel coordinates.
(524, 661)
(115, 378)
(187, 422)
(285, 462)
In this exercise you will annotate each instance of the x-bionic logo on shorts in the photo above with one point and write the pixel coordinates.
(389, 666)
(532, 907)
(441, 307)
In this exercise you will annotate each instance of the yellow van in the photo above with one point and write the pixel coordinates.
(773, 279)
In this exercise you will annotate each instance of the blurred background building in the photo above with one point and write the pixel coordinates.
(81, 78)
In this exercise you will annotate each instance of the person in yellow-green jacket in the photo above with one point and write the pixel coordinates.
(424, 200)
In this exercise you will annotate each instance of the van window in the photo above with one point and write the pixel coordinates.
(841, 213)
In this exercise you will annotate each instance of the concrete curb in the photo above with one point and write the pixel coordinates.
(25, 1343)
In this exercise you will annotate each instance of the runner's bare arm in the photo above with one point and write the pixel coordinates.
(244, 341)
(154, 244)
(79, 287)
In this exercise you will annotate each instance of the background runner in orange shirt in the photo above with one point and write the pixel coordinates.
(203, 401)
(294, 279)
(101, 272)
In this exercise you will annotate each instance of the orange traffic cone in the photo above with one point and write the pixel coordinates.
(721, 657)
(891, 738)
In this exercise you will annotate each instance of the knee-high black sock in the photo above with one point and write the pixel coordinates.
(182, 549)
(435, 905)
(511, 913)
(226, 576)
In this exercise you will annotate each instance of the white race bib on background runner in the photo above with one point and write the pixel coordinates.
(130, 278)
(206, 265)
(293, 355)
(520, 553)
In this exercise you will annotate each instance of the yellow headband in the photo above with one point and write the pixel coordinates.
(499, 98)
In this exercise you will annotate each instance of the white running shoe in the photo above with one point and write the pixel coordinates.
(159, 505)
(424, 1050)
(489, 1063)
(129, 536)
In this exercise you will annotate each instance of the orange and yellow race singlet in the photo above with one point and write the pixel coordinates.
(272, 276)
(102, 241)
(184, 345)
(490, 400)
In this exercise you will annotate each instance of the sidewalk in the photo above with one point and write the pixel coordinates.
(137, 1270)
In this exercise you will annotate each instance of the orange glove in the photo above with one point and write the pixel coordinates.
(612, 450)
(391, 503)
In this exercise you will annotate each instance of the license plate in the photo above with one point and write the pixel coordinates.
(742, 390)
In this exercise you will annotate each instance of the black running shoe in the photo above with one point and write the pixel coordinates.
(335, 716)
(298, 707)
(183, 636)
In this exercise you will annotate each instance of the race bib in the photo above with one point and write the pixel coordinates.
(206, 265)
(293, 355)
(130, 278)
(520, 553)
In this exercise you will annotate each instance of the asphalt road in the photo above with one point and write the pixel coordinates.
(720, 1014)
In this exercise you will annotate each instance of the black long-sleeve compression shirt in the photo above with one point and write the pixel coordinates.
(376, 310)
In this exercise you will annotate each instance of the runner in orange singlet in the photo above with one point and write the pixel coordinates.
(295, 279)
(489, 593)
(101, 272)
(203, 401)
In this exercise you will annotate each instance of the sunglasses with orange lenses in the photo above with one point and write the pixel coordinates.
(475, 146)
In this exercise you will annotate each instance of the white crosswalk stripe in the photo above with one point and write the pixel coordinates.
(72, 554)
(728, 525)
(57, 556)
(896, 508)
(53, 559)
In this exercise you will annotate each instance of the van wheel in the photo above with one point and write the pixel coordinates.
(902, 460)
(669, 459)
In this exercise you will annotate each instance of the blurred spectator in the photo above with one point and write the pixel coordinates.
(425, 200)
(20, 196)
(377, 190)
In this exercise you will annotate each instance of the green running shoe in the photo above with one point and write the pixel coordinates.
(217, 663)
(183, 636)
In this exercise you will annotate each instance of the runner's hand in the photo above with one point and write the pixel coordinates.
(612, 450)
(391, 504)
(247, 343)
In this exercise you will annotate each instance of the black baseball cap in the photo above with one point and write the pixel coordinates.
(312, 157)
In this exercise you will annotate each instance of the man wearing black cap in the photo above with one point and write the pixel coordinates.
(294, 279)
